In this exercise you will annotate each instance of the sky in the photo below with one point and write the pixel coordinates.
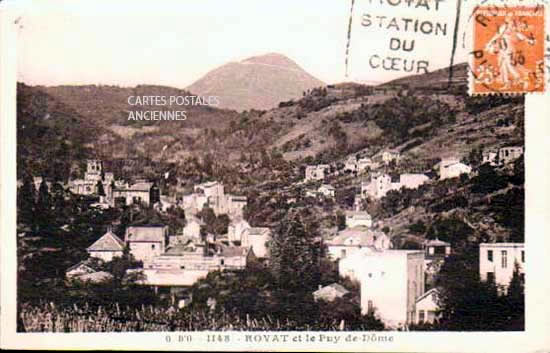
(174, 43)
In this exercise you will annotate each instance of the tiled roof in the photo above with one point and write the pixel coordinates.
(356, 236)
(96, 276)
(141, 186)
(108, 242)
(358, 214)
(150, 233)
(335, 286)
(436, 242)
(258, 231)
(431, 291)
(232, 251)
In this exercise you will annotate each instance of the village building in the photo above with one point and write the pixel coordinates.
(330, 293)
(381, 184)
(452, 168)
(436, 248)
(94, 174)
(212, 194)
(390, 280)
(412, 181)
(358, 219)
(37, 181)
(316, 172)
(141, 192)
(95, 277)
(258, 239)
(185, 264)
(192, 227)
(146, 241)
(391, 155)
(427, 307)
(351, 164)
(107, 247)
(509, 154)
(351, 240)
(236, 229)
(490, 156)
(81, 268)
(365, 163)
(327, 191)
(165, 203)
(497, 262)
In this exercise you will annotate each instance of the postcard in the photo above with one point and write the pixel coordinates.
(238, 175)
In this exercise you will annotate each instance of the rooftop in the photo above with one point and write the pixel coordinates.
(145, 233)
(108, 242)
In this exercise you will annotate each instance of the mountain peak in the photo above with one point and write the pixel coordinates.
(274, 59)
(258, 82)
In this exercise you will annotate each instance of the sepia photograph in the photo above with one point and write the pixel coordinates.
(241, 166)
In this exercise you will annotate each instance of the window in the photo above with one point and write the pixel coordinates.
(421, 316)
(222, 261)
(523, 256)
(153, 246)
(504, 259)
(490, 255)
(343, 253)
(370, 307)
(490, 277)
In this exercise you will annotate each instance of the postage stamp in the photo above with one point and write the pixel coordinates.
(311, 176)
(508, 52)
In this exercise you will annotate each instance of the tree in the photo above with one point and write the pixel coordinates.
(340, 220)
(119, 267)
(100, 189)
(295, 256)
(26, 195)
(468, 304)
(43, 206)
(516, 301)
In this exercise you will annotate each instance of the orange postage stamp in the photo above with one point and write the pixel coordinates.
(508, 53)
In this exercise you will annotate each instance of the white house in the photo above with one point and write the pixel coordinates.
(235, 230)
(381, 184)
(81, 268)
(490, 156)
(330, 293)
(192, 227)
(452, 168)
(390, 155)
(212, 194)
(326, 190)
(427, 307)
(497, 262)
(351, 164)
(258, 239)
(390, 280)
(185, 264)
(147, 241)
(350, 240)
(358, 219)
(412, 181)
(107, 247)
(509, 154)
(364, 163)
(436, 248)
(142, 191)
(316, 172)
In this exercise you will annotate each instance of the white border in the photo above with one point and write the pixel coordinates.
(534, 339)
